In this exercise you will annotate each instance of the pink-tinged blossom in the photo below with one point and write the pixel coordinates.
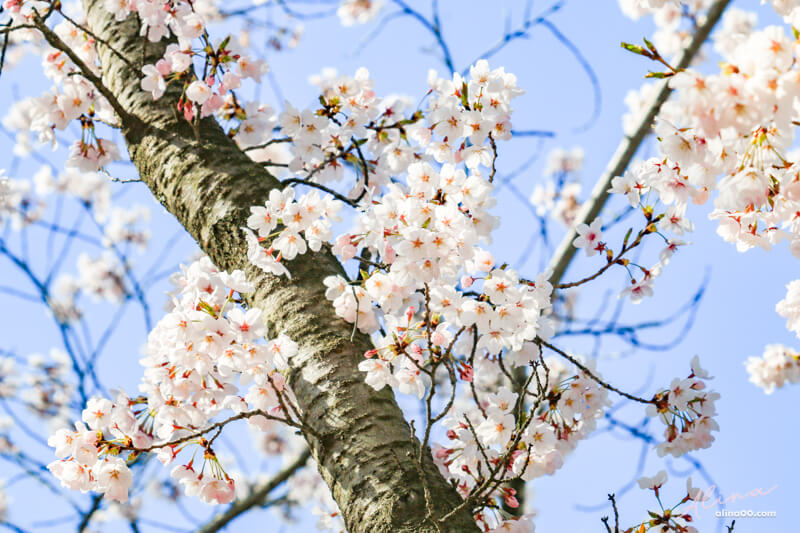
(153, 81)
(653, 483)
(589, 237)
(114, 478)
(217, 491)
(352, 12)
(688, 411)
(198, 92)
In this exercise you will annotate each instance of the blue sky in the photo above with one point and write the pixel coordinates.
(735, 319)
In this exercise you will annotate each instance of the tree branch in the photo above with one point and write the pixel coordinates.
(628, 147)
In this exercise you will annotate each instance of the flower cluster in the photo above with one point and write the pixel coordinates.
(502, 319)
(471, 110)
(558, 197)
(25, 202)
(123, 227)
(225, 65)
(305, 225)
(436, 295)
(19, 205)
(206, 345)
(86, 461)
(355, 128)
(487, 438)
(777, 366)
(426, 233)
(72, 97)
(573, 405)
(730, 132)
(346, 130)
(687, 410)
(102, 278)
(643, 185)
(307, 485)
(738, 124)
(672, 518)
(226, 68)
(185, 20)
(208, 354)
(42, 382)
(638, 102)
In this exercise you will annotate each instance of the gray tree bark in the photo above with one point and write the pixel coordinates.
(364, 448)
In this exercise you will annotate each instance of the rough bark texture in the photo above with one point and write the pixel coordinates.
(365, 450)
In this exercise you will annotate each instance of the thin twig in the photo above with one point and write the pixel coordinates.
(212, 427)
(96, 501)
(592, 375)
(613, 501)
(323, 188)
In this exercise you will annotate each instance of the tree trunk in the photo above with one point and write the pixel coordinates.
(365, 450)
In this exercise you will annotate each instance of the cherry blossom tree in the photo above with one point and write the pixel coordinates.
(344, 279)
